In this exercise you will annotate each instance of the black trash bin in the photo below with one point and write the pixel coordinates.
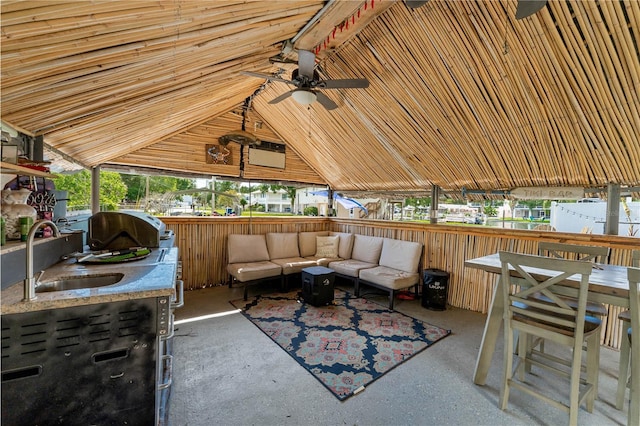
(434, 289)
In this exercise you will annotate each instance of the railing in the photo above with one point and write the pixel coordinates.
(202, 244)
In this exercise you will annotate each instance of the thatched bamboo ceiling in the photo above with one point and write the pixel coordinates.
(462, 94)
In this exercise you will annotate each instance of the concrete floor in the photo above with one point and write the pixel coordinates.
(227, 372)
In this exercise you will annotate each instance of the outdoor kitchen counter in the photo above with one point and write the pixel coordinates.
(153, 276)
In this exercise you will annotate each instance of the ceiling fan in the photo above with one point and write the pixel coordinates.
(308, 83)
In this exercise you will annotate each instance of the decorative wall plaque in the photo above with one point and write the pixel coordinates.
(218, 154)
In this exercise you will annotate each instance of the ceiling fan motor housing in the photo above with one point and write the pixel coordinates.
(304, 81)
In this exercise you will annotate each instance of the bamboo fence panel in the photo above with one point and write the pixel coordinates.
(202, 247)
(202, 242)
(447, 247)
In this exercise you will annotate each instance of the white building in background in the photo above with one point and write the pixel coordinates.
(305, 198)
(273, 202)
(590, 217)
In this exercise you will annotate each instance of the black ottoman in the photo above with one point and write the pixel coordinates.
(317, 285)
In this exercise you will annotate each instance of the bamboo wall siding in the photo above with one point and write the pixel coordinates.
(192, 146)
(203, 252)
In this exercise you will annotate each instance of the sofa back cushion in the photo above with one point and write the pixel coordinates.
(366, 248)
(345, 246)
(402, 255)
(307, 242)
(327, 247)
(247, 248)
(282, 245)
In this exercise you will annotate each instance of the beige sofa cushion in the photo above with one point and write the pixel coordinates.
(346, 244)
(250, 271)
(327, 247)
(307, 242)
(389, 277)
(282, 245)
(366, 249)
(402, 255)
(322, 261)
(350, 267)
(247, 248)
(294, 265)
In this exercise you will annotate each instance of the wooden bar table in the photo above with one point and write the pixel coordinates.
(607, 284)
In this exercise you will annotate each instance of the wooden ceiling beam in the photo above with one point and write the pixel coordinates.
(340, 22)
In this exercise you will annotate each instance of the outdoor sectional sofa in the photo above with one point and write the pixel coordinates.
(384, 263)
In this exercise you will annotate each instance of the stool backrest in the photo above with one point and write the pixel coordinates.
(633, 274)
(635, 258)
(573, 252)
(553, 314)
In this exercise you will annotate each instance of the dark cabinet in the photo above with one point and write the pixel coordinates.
(92, 364)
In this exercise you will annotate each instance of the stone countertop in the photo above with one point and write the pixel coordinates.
(153, 276)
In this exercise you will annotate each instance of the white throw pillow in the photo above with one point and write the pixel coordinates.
(327, 247)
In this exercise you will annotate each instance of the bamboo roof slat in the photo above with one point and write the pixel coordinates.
(461, 94)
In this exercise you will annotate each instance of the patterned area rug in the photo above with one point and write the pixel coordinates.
(346, 345)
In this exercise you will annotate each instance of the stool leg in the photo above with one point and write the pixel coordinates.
(623, 373)
(593, 368)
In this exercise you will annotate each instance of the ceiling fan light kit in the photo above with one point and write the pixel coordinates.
(304, 97)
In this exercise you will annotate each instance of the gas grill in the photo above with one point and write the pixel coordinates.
(122, 230)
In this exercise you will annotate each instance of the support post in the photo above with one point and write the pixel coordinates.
(433, 213)
(95, 189)
(613, 209)
(330, 211)
(213, 195)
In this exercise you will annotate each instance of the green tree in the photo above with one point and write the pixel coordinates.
(263, 188)
(224, 187)
(137, 185)
(112, 189)
(489, 209)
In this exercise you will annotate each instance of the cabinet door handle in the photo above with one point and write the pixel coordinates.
(167, 361)
(179, 295)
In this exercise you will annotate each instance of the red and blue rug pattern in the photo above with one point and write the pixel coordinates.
(347, 345)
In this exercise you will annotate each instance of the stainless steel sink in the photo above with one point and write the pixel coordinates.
(78, 282)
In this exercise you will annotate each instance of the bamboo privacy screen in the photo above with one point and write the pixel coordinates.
(202, 245)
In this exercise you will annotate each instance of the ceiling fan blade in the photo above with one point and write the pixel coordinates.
(325, 101)
(267, 77)
(281, 98)
(344, 83)
(280, 59)
(528, 7)
(306, 63)
(414, 4)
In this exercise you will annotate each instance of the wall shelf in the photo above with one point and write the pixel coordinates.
(14, 169)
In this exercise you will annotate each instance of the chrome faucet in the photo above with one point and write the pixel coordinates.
(30, 280)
